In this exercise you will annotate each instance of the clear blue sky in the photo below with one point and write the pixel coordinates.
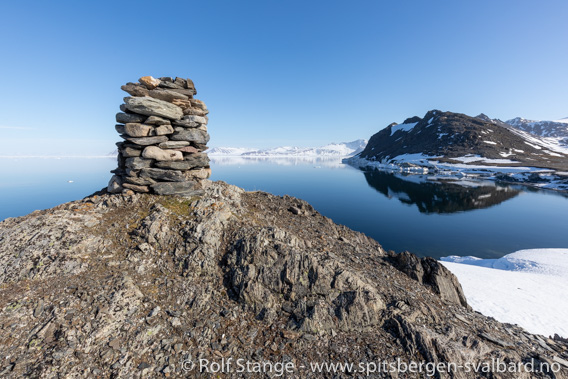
(276, 72)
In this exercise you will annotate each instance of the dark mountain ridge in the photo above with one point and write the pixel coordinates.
(447, 136)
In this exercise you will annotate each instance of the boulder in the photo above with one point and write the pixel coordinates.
(114, 184)
(167, 95)
(153, 107)
(137, 163)
(198, 174)
(137, 188)
(195, 103)
(184, 123)
(197, 108)
(200, 146)
(149, 82)
(164, 129)
(154, 152)
(195, 112)
(125, 118)
(155, 120)
(181, 82)
(145, 141)
(190, 86)
(129, 152)
(182, 103)
(191, 135)
(188, 149)
(161, 174)
(199, 159)
(189, 162)
(139, 181)
(135, 89)
(169, 85)
(198, 119)
(173, 144)
(183, 91)
(119, 128)
(137, 130)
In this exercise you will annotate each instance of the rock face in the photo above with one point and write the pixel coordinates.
(429, 272)
(136, 285)
(161, 124)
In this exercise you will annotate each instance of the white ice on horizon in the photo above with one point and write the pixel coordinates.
(343, 149)
(527, 288)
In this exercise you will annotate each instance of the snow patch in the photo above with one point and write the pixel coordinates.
(521, 288)
(402, 127)
(477, 158)
(533, 145)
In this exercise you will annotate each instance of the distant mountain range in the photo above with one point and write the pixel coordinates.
(551, 129)
(449, 143)
(555, 131)
(342, 149)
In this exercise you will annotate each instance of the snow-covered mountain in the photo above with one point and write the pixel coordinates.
(557, 129)
(343, 149)
(229, 151)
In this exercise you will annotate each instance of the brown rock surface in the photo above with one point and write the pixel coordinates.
(149, 82)
(133, 285)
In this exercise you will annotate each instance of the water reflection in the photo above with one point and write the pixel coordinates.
(439, 196)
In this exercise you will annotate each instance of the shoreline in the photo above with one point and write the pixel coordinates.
(418, 164)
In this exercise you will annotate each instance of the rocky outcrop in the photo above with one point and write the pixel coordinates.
(139, 285)
(430, 272)
(165, 134)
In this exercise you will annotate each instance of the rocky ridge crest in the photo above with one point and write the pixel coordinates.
(134, 285)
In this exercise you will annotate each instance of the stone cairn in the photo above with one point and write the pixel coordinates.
(165, 133)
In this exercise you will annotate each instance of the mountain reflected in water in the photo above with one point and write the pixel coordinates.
(439, 196)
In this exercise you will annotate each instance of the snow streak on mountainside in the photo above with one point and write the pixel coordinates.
(552, 129)
(343, 149)
(553, 132)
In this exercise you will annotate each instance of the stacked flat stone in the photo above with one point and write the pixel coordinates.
(165, 135)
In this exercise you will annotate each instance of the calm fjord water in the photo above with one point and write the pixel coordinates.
(402, 213)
